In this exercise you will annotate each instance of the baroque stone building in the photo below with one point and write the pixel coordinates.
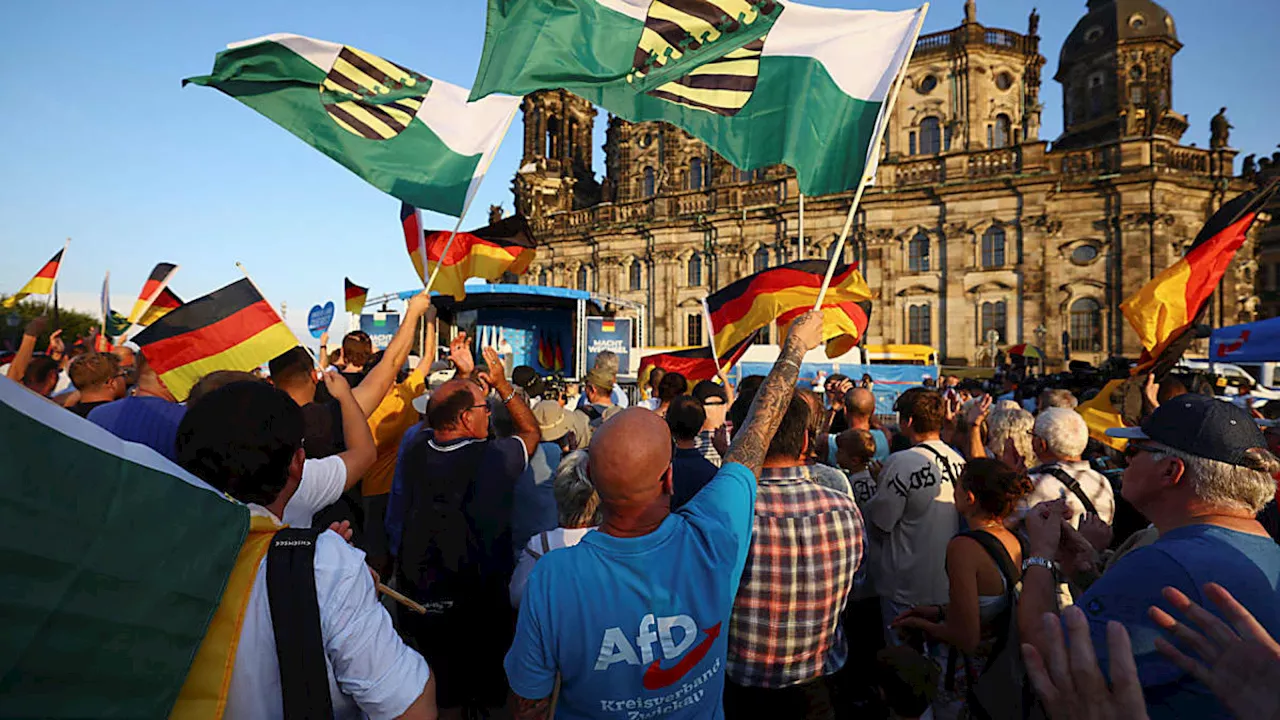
(974, 222)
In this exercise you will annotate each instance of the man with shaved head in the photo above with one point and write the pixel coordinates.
(449, 523)
(635, 617)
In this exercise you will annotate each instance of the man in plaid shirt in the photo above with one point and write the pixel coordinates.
(785, 635)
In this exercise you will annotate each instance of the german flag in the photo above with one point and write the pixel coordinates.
(843, 324)
(165, 302)
(355, 295)
(694, 363)
(505, 246)
(740, 309)
(41, 284)
(151, 289)
(232, 328)
(1173, 301)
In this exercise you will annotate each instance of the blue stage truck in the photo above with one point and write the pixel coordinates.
(556, 331)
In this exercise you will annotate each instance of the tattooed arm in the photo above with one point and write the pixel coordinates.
(751, 442)
(526, 709)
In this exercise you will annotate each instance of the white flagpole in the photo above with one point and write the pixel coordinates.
(484, 171)
(838, 253)
(711, 337)
(248, 277)
(801, 247)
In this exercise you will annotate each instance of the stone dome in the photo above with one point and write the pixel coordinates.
(1109, 22)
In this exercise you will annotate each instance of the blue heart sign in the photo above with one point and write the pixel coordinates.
(319, 318)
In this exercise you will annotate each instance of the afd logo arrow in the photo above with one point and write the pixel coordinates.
(656, 678)
(1226, 348)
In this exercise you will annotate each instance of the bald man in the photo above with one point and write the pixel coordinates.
(636, 616)
(449, 523)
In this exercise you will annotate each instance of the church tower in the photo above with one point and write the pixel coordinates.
(555, 172)
(1116, 70)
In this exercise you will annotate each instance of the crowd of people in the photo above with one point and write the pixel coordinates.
(764, 550)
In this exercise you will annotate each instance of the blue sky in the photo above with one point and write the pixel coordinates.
(103, 145)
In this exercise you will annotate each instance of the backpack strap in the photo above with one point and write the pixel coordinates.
(943, 460)
(295, 619)
(1071, 483)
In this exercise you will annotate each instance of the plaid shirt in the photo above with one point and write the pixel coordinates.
(706, 445)
(806, 546)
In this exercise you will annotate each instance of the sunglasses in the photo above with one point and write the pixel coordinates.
(1134, 448)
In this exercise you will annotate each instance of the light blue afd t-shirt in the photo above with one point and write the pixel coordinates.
(1248, 566)
(638, 627)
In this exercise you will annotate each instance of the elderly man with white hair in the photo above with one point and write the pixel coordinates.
(1058, 439)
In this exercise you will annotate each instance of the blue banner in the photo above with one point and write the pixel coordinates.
(890, 380)
(613, 334)
(319, 318)
(380, 327)
(1251, 342)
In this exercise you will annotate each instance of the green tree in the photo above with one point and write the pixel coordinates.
(73, 323)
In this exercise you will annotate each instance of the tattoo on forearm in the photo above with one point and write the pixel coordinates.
(526, 709)
(752, 441)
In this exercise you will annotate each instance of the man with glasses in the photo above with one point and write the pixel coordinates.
(1200, 471)
(449, 523)
(99, 379)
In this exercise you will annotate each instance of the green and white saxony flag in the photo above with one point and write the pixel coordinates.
(760, 81)
(414, 137)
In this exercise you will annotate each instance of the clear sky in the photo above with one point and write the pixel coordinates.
(102, 144)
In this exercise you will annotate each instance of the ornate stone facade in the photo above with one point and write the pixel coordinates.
(974, 223)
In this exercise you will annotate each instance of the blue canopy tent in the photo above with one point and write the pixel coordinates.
(1250, 342)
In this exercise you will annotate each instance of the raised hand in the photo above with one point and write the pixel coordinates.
(460, 354)
(1240, 666)
(336, 384)
(496, 374)
(1071, 683)
(807, 331)
(977, 415)
(37, 326)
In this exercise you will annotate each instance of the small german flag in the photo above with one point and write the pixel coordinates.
(740, 309)
(505, 246)
(41, 284)
(1173, 301)
(355, 295)
(164, 303)
(843, 324)
(232, 328)
(694, 363)
(151, 289)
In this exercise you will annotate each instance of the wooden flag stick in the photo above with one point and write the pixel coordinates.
(881, 126)
(711, 337)
(401, 599)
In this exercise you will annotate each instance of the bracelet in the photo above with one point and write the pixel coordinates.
(508, 398)
(1049, 565)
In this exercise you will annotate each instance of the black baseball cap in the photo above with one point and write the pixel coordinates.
(1199, 425)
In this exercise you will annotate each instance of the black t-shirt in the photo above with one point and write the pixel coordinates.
(322, 429)
(1270, 519)
(83, 408)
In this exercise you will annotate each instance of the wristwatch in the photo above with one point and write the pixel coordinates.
(1045, 563)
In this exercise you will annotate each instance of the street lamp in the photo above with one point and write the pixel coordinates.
(1041, 332)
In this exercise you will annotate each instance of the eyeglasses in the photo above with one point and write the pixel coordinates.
(480, 405)
(1134, 448)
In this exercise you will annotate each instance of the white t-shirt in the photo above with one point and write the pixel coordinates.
(1094, 484)
(323, 481)
(539, 545)
(372, 673)
(914, 506)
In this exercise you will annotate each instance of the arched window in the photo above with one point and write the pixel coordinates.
(1096, 90)
(760, 261)
(918, 253)
(693, 329)
(1086, 325)
(636, 273)
(994, 317)
(553, 137)
(1002, 133)
(930, 136)
(919, 325)
(583, 277)
(993, 247)
(697, 175)
(695, 270)
(649, 180)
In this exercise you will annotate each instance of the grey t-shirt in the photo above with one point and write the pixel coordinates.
(914, 510)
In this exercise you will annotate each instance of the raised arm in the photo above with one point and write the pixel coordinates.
(522, 419)
(22, 359)
(374, 387)
(752, 440)
(361, 452)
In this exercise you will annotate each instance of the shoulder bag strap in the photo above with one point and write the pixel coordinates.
(295, 619)
(942, 460)
(1072, 484)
